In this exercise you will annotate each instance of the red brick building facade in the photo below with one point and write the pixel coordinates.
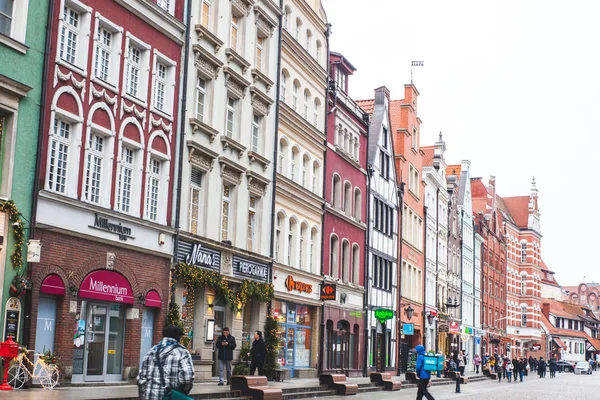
(107, 167)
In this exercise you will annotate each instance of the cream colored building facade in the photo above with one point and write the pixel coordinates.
(227, 191)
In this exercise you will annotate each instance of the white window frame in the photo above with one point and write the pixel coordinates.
(195, 188)
(106, 166)
(208, 15)
(18, 26)
(201, 91)
(316, 112)
(283, 86)
(169, 82)
(260, 53)
(138, 167)
(114, 51)
(144, 70)
(225, 233)
(234, 44)
(83, 31)
(252, 231)
(57, 140)
(231, 108)
(124, 165)
(256, 133)
(164, 175)
(306, 100)
(295, 89)
(167, 5)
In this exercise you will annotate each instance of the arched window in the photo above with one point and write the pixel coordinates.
(336, 191)
(319, 51)
(294, 166)
(284, 79)
(298, 29)
(279, 237)
(315, 178)
(347, 197)
(345, 260)
(316, 112)
(355, 264)
(301, 260)
(286, 18)
(306, 102)
(308, 39)
(340, 136)
(292, 243)
(358, 204)
(333, 256)
(305, 166)
(523, 284)
(283, 148)
(312, 249)
(296, 89)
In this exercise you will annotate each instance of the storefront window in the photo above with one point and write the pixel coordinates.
(303, 315)
(293, 334)
(279, 311)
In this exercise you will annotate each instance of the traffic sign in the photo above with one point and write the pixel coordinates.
(328, 291)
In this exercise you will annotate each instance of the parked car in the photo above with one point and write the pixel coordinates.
(583, 367)
(565, 366)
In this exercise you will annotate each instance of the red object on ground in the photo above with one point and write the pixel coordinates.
(8, 351)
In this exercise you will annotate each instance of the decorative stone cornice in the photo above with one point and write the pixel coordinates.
(231, 172)
(255, 157)
(235, 83)
(13, 87)
(271, 5)
(228, 142)
(235, 57)
(241, 8)
(208, 65)
(210, 37)
(258, 76)
(260, 101)
(257, 184)
(264, 23)
(199, 126)
(201, 157)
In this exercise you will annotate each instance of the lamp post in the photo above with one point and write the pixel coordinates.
(409, 312)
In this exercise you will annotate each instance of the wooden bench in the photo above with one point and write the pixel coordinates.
(452, 374)
(338, 382)
(257, 387)
(412, 377)
(385, 379)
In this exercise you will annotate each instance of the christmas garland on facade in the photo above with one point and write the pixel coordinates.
(18, 230)
(236, 298)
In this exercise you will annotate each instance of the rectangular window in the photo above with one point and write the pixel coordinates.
(125, 180)
(234, 32)
(200, 99)
(69, 35)
(251, 223)
(103, 51)
(414, 138)
(523, 252)
(152, 195)
(259, 53)
(6, 16)
(384, 139)
(231, 103)
(205, 17)
(160, 85)
(225, 210)
(164, 4)
(59, 156)
(132, 77)
(94, 168)
(195, 188)
(256, 120)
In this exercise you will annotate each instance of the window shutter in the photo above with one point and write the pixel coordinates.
(196, 177)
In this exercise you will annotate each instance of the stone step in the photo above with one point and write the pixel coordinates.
(307, 395)
(366, 385)
(218, 395)
(305, 389)
(370, 389)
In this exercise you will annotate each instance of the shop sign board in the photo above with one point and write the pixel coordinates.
(104, 224)
(199, 255)
(408, 329)
(383, 314)
(250, 269)
(454, 327)
(106, 285)
(12, 319)
(443, 328)
(301, 287)
(328, 291)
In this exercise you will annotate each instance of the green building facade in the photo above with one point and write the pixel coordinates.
(22, 46)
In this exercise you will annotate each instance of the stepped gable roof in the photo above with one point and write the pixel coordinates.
(519, 209)
(428, 152)
(366, 105)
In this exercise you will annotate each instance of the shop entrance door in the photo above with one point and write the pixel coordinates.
(379, 351)
(104, 342)
(219, 325)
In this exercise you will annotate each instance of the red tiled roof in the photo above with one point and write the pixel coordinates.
(560, 342)
(519, 209)
(453, 170)
(478, 189)
(366, 105)
(428, 155)
(479, 205)
(593, 342)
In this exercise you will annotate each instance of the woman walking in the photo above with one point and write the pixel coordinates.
(509, 370)
(477, 362)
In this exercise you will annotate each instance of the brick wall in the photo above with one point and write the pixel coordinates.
(72, 258)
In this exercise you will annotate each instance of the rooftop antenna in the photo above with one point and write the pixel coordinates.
(414, 64)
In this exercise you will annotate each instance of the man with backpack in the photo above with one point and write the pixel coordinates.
(423, 374)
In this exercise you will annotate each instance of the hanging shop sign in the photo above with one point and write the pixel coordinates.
(408, 329)
(250, 269)
(12, 319)
(477, 340)
(467, 331)
(328, 291)
(301, 287)
(104, 224)
(199, 255)
(106, 285)
(536, 347)
(454, 327)
(383, 314)
(443, 328)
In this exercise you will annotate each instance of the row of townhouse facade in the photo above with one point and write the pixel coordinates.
(190, 150)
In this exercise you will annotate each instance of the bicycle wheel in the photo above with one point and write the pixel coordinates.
(17, 376)
(48, 377)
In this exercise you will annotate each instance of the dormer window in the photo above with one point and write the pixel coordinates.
(342, 79)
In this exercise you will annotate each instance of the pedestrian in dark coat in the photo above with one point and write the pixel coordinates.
(517, 369)
(258, 353)
(541, 367)
(552, 368)
(226, 344)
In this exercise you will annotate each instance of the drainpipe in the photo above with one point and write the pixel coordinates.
(182, 114)
(424, 313)
(437, 256)
(325, 130)
(474, 298)
(460, 313)
(366, 277)
(399, 268)
(38, 165)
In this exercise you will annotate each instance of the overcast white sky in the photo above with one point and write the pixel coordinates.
(514, 87)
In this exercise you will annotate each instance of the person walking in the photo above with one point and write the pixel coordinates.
(424, 375)
(167, 366)
(461, 363)
(541, 367)
(509, 370)
(499, 369)
(516, 369)
(226, 344)
(258, 353)
(456, 377)
(552, 364)
(477, 362)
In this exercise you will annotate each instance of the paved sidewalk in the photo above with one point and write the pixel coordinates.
(77, 392)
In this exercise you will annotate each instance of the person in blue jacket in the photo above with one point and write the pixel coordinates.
(424, 376)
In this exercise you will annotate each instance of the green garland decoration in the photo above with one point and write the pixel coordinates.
(272, 346)
(236, 298)
(18, 230)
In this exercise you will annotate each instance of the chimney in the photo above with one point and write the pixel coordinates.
(464, 165)
(546, 310)
(383, 90)
(492, 189)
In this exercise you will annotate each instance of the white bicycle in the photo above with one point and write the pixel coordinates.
(18, 372)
